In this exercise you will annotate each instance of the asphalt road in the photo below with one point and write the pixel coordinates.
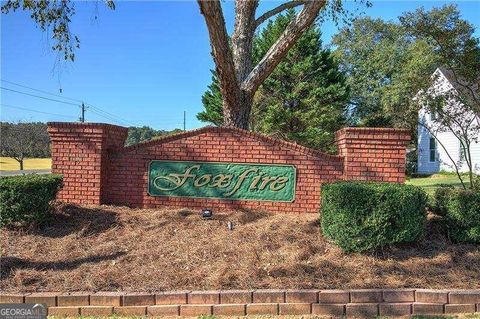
(26, 171)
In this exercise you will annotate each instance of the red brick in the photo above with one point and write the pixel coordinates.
(301, 296)
(268, 296)
(431, 296)
(366, 296)
(104, 298)
(204, 297)
(195, 310)
(73, 299)
(12, 298)
(73, 159)
(163, 310)
(96, 311)
(138, 299)
(362, 310)
(395, 309)
(337, 310)
(235, 297)
(63, 311)
(459, 308)
(464, 297)
(47, 298)
(262, 309)
(171, 297)
(427, 308)
(294, 309)
(398, 295)
(229, 310)
(130, 310)
(334, 297)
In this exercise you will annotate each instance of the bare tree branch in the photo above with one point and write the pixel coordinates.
(284, 6)
(280, 48)
(222, 54)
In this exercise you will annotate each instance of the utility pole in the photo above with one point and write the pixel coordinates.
(184, 120)
(82, 114)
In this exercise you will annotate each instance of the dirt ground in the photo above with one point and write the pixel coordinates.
(117, 248)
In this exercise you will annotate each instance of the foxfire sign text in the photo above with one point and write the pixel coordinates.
(222, 180)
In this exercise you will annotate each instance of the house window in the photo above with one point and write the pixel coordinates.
(433, 149)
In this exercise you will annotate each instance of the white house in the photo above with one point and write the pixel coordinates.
(438, 147)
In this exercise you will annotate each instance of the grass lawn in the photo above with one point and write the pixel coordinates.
(430, 183)
(9, 164)
(110, 248)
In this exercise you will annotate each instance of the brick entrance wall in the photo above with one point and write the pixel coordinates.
(98, 169)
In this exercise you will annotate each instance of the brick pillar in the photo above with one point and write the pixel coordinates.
(373, 154)
(80, 153)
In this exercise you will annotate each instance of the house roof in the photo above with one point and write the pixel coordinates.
(468, 90)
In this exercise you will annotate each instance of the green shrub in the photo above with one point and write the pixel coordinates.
(441, 199)
(361, 216)
(462, 216)
(26, 198)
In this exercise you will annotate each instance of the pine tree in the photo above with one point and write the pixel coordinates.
(304, 99)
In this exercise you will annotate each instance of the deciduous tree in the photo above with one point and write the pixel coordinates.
(385, 69)
(22, 140)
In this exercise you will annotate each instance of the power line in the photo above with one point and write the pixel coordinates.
(110, 114)
(106, 115)
(41, 91)
(38, 96)
(31, 110)
(110, 118)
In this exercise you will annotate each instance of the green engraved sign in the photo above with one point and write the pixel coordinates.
(222, 180)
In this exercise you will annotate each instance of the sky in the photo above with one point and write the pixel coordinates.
(144, 63)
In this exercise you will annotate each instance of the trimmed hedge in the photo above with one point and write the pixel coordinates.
(26, 198)
(440, 199)
(461, 210)
(362, 216)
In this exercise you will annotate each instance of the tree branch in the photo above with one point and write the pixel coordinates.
(280, 48)
(287, 5)
(242, 39)
(222, 54)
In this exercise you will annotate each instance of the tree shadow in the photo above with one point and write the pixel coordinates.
(9, 264)
(433, 244)
(69, 219)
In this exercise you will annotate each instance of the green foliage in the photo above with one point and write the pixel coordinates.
(360, 216)
(212, 102)
(53, 17)
(26, 198)
(461, 209)
(441, 199)
(303, 100)
(386, 68)
(145, 133)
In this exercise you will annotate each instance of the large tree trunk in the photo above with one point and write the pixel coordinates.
(238, 115)
(238, 79)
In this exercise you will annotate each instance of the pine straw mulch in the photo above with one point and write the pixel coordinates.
(118, 248)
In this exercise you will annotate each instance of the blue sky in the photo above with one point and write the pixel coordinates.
(145, 62)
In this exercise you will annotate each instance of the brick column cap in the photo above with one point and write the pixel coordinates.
(352, 132)
(86, 125)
